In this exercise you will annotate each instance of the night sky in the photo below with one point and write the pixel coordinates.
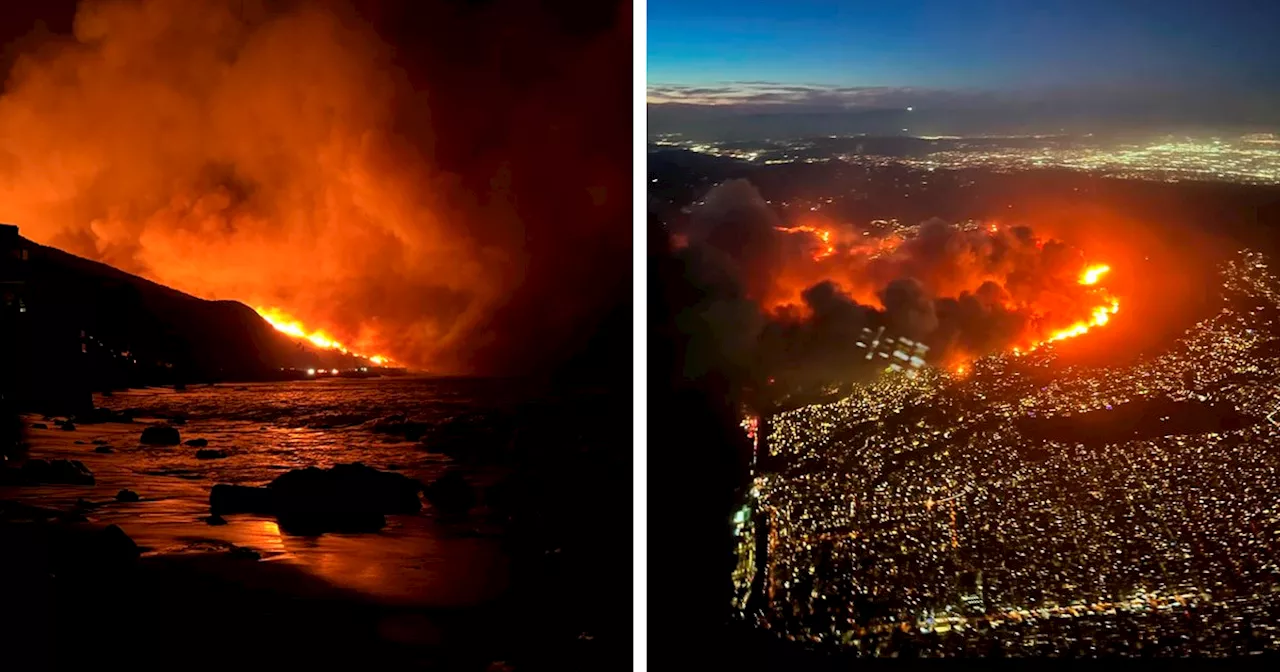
(933, 52)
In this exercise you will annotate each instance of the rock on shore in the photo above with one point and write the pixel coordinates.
(348, 497)
(160, 435)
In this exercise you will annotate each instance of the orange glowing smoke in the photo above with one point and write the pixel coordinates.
(319, 338)
(233, 151)
(967, 263)
(825, 249)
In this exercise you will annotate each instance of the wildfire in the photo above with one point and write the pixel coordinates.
(1100, 315)
(283, 323)
(824, 235)
(1091, 274)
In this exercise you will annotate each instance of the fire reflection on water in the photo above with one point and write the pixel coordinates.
(414, 560)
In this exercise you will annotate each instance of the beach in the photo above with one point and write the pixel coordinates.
(426, 589)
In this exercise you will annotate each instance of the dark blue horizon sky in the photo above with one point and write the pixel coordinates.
(991, 45)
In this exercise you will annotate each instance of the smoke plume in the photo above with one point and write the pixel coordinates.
(812, 286)
(286, 154)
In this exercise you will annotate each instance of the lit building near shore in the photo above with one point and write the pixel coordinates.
(42, 367)
(13, 306)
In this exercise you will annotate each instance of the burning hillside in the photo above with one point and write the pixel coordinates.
(280, 321)
(791, 299)
(283, 155)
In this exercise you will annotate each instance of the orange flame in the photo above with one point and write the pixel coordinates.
(1090, 275)
(283, 323)
(1101, 315)
(824, 235)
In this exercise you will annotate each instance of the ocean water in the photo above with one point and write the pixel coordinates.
(551, 466)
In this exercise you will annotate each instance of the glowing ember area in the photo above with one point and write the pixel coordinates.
(825, 249)
(1091, 274)
(283, 323)
(1101, 314)
(963, 290)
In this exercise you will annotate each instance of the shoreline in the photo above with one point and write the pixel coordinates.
(228, 592)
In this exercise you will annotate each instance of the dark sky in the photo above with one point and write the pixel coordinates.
(938, 53)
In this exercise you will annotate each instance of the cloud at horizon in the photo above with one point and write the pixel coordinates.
(772, 94)
(1090, 55)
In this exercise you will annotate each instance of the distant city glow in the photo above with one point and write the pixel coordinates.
(1252, 159)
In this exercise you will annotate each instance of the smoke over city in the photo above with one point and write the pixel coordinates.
(791, 298)
(445, 207)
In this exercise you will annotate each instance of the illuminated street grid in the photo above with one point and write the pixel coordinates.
(1168, 161)
(919, 513)
(1225, 160)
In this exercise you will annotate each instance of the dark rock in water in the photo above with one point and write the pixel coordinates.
(394, 467)
(103, 449)
(245, 553)
(197, 443)
(241, 389)
(57, 472)
(36, 466)
(347, 487)
(99, 442)
(177, 420)
(80, 443)
(215, 519)
(348, 497)
(67, 426)
(161, 435)
(39, 425)
(70, 472)
(225, 498)
(211, 454)
(127, 496)
(83, 503)
(451, 494)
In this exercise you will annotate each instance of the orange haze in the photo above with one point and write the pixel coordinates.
(861, 264)
(237, 152)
